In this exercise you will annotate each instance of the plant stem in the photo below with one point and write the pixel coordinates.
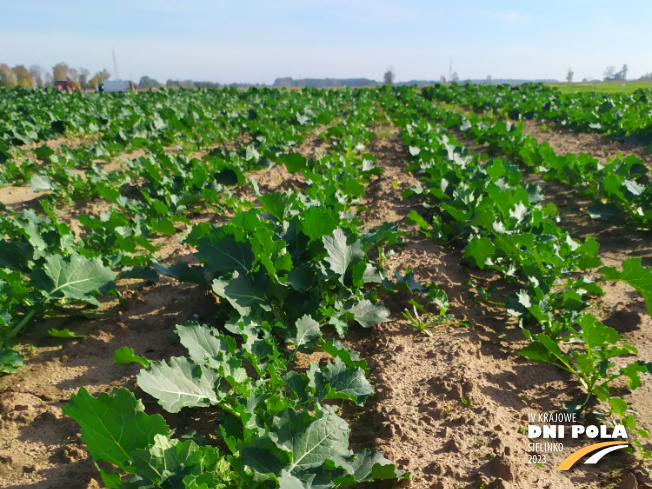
(16, 329)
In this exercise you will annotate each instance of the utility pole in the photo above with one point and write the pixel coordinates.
(115, 66)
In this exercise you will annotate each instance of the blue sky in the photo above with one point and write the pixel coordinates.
(258, 41)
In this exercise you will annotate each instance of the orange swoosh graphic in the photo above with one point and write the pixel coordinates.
(574, 457)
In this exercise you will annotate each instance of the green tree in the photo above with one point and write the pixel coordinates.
(60, 72)
(7, 77)
(388, 77)
(23, 76)
(569, 75)
(146, 83)
(99, 77)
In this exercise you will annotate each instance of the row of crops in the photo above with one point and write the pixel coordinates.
(621, 116)
(292, 271)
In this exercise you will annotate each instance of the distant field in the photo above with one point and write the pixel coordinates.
(602, 86)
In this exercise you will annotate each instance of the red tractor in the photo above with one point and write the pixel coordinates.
(66, 85)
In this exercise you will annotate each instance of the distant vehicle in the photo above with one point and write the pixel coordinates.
(114, 86)
(66, 85)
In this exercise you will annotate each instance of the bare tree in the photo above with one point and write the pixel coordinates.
(488, 80)
(388, 77)
(609, 73)
(37, 72)
(83, 77)
(569, 75)
(442, 79)
(454, 77)
(72, 74)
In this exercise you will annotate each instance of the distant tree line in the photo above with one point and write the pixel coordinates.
(37, 76)
(325, 82)
(611, 75)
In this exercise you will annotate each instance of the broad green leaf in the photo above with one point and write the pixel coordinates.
(167, 461)
(339, 350)
(368, 314)
(65, 333)
(537, 352)
(312, 441)
(73, 277)
(337, 381)
(415, 218)
(294, 162)
(340, 254)
(317, 222)
(596, 334)
(125, 355)
(369, 466)
(480, 249)
(41, 183)
(10, 361)
(278, 204)
(264, 457)
(636, 276)
(114, 425)
(618, 406)
(288, 481)
(308, 331)
(242, 292)
(180, 383)
(203, 344)
(223, 254)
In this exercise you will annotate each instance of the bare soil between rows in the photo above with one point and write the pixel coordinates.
(451, 409)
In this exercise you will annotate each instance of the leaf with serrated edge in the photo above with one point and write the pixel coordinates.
(73, 277)
(368, 314)
(636, 276)
(337, 381)
(222, 253)
(114, 425)
(312, 441)
(340, 254)
(307, 331)
(203, 345)
(180, 383)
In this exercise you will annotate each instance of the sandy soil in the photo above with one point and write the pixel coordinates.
(451, 408)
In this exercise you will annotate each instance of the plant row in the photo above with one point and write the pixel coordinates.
(291, 274)
(502, 226)
(620, 188)
(621, 116)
